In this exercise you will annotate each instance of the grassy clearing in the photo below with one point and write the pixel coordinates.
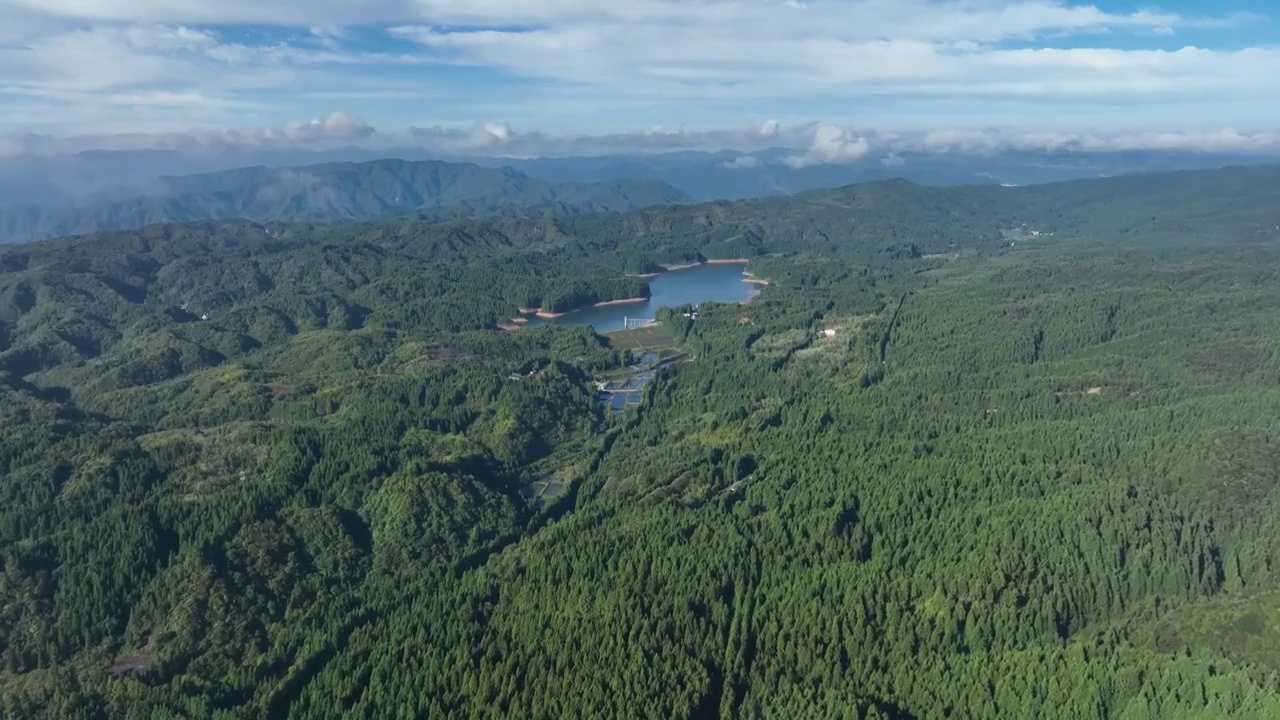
(657, 338)
(1245, 629)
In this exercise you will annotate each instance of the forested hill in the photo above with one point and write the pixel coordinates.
(86, 301)
(335, 192)
(972, 453)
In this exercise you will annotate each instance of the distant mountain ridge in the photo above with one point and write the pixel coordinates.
(94, 177)
(729, 175)
(335, 192)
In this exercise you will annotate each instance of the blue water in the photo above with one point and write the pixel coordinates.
(625, 393)
(696, 285)
(619, 402)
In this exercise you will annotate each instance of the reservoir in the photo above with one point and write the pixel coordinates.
(691, 286)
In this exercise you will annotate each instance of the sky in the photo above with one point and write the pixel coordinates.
(558, 76)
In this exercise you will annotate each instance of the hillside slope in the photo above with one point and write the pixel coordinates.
(972, 453)
(335, 192)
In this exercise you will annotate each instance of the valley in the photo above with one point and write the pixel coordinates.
(920, 473)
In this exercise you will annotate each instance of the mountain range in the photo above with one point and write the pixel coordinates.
(334, 192)
(728, 175)
(97, 176)
(121, 190)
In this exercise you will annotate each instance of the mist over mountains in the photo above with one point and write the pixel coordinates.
(333, 192)
(42, 197)
(729, 175)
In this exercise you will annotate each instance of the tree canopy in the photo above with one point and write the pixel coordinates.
(977, 452)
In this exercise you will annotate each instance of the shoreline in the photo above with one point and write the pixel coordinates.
(623, 301)
(539, 312)
(689, 266)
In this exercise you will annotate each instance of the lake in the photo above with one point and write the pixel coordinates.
(691, 286)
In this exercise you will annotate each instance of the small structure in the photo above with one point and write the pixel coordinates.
(637, 323)
(204, 317)
(829, 332)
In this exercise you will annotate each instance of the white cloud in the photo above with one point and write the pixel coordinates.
(686, 63)
(333, 130)
(89, 63)
(928, 20)
(920, 19)
(338, 127)
(810, 144)
(832, 145)
(111, 76)
(500, 139)
(300, 13)
(743, 162)
(738, 49)
(98, 61)
(991, 141)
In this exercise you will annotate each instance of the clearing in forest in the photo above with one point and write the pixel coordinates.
(655, 338)
(1244, 628)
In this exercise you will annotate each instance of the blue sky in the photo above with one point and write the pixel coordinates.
(482, 75)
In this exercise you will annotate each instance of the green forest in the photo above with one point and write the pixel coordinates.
(975, 452)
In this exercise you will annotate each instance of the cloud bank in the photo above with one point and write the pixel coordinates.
(798, 145)
(591, 68)
(832, 145)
